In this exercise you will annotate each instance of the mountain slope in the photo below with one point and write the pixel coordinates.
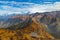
(32, 31)
(36, 26)
(51, 20)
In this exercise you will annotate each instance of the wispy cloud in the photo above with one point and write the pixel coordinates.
(24, 7)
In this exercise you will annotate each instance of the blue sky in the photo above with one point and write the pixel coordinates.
(34, 1)
(24, 6)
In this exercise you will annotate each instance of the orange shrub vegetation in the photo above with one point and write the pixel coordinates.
(33, 31)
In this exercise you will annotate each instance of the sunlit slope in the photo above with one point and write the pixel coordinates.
(32, 31)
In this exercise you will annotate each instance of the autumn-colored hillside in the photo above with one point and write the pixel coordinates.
(37, 26)
(32, 31)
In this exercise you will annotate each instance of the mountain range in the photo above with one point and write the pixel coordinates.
(49, 22)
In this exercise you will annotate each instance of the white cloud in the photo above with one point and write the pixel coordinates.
(13, 2)
(24, 7)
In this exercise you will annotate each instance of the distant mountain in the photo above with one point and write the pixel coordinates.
(13, 19)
